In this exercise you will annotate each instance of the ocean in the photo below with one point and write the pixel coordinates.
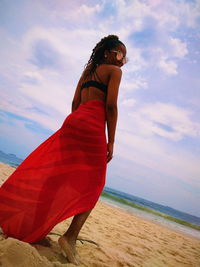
(169, 217)
(10, 159)
(177, 220)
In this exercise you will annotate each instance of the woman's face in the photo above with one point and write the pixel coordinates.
(116, 56)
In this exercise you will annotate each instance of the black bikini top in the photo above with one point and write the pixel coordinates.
(96, 84)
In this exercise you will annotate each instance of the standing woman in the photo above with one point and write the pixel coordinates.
(65, 175)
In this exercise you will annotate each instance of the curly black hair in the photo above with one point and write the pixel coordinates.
(107, 43)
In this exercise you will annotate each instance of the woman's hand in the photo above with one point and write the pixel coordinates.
(109, 151)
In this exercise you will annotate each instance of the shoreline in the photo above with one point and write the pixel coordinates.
(150, 220)
(127, 203)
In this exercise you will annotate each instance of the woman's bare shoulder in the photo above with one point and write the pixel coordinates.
(110, 69)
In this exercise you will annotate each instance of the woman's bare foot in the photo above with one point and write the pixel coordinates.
(68, 247)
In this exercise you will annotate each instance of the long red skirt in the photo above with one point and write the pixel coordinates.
(62, 177)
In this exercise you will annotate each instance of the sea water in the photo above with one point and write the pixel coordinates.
(10, 159)
(187, 230)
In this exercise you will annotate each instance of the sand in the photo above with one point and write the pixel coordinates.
(122, 238)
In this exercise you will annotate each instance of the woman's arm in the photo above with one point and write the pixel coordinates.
(77, 96)
(111, 108)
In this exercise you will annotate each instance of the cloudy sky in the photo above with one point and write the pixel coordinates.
(44, 47)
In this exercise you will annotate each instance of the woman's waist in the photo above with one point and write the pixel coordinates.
(93, 101)
(94, 107)
(92, 112)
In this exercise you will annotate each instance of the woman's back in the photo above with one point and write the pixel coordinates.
(102, 75)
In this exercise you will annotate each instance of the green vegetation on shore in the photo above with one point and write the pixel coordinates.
(129, 203)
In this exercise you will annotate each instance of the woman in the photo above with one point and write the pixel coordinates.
(65, 175)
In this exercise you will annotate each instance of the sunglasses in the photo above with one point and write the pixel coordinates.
(120, 57)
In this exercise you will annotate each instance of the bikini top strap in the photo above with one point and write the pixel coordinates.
(96, 75)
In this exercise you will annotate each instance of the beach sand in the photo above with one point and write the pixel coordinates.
(123, 240)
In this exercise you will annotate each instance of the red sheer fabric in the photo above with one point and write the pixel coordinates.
(62, 177)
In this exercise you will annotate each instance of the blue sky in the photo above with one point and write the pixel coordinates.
(44, 47)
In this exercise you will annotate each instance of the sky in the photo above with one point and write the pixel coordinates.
(44, 47)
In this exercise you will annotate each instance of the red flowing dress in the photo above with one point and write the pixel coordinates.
(62, 177)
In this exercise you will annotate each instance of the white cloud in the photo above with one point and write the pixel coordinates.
(137, 140)
(158, 155)
(179, 48)
(87, 10)
(128, 102)
(136, 61)
(130, 85)
(166, 120)
(81, 12)
(168, 17)
(165, 56)
(172, 14)
(168, 66)
(23, 136)
(133, 12)
(49, 89)
(32, 77)
(189, 12)
(46, 116)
